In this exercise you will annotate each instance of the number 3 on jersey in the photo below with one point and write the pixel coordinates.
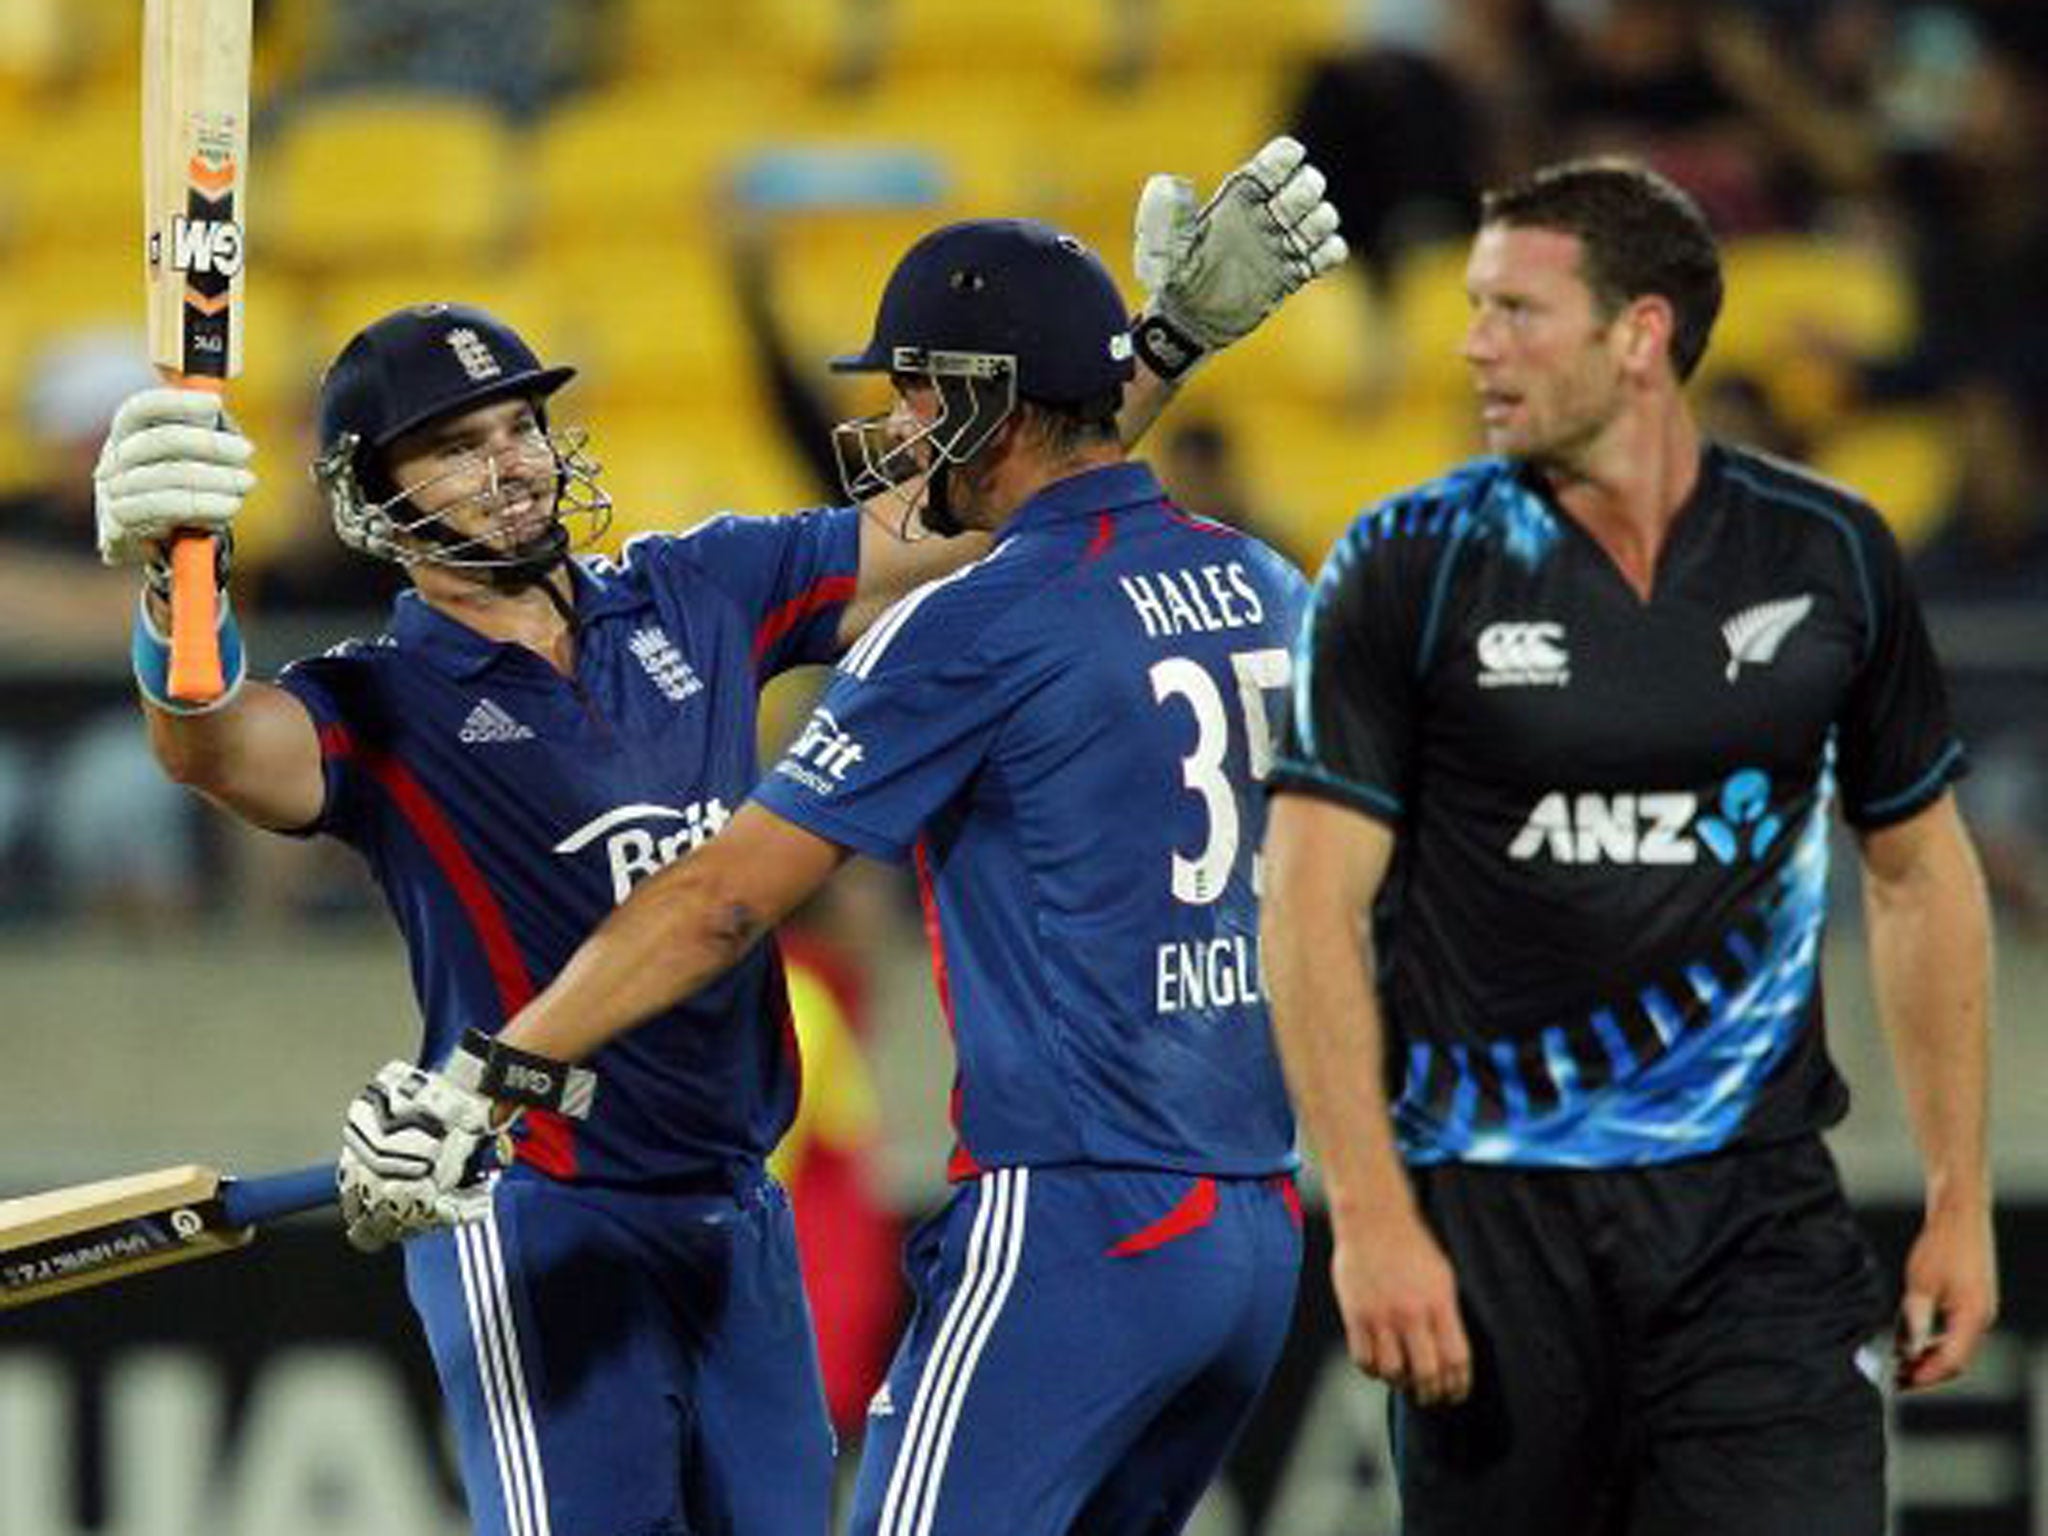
(1201, 880)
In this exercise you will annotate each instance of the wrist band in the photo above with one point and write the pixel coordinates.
(512, 1076)
(1167, 350)
(150, 654)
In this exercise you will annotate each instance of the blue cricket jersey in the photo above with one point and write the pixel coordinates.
(1066, 738)
(505, 809)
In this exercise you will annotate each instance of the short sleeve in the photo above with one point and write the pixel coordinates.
(1896, 746)
(336, 690)
(1349, 734)
(791, 576)
(896, 735)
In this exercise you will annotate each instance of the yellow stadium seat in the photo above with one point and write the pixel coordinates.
(650, 325)
(652, 159)
(352, 183)
(73, 177)
(1903, 461)
(660, 41)
(517, 295)
(668, 469)
(1784, 291)
(1270, 35)
(1427, 319)
(1070, 38)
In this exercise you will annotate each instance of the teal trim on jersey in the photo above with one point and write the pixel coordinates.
(1375, 799)
(1446, 562)
(1943, 770)
(1812, 504)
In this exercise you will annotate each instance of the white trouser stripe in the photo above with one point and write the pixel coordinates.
(484, 1342)
(521, 1407)
(1006, 1269)
(991, 1251)
(504, 1384)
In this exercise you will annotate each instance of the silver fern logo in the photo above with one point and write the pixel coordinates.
(1755, 634)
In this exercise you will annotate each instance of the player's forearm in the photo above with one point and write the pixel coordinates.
(1930, 948)
(676, 933)
(1146, 398)
(1326, 1023)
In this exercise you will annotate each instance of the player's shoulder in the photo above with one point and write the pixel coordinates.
(1482, 501)
(1780, 487)
(949, 616)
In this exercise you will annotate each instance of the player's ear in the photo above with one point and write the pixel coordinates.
(1646, 326)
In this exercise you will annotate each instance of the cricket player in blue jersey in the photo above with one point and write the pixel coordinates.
(1065, 739)
(619, 1325)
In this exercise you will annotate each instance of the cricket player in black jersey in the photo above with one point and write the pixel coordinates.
(1570, 722)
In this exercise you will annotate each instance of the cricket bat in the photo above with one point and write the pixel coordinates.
(91, 1234)
(195, 153)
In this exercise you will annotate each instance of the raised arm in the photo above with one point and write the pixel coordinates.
(1930, 954)
(1396, 1293)
(1212, 274)
(172, 460)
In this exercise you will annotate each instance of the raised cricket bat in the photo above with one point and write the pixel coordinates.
(195, 154)
(91, 1234)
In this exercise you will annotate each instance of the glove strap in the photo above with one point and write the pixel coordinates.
(511, 1076)
(150, 654)
(1167, 350)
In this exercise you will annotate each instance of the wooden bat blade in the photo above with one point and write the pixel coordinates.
(195, 151)
(90, 1234)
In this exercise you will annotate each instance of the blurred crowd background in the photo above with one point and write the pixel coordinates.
(696, 202)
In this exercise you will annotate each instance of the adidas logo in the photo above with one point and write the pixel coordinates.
(881, 1405)
(489, 722)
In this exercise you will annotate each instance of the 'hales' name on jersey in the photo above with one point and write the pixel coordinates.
(1194, 600)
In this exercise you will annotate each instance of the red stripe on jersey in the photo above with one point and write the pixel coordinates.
(1284, 1182)
(962, 1164)
(1196, 1210)
(548, 1143)
(1105, 535)
(823, 593)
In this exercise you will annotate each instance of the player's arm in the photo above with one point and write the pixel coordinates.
(409, 1137)
(172, 460)
(1395, 1290)
(677, 932)
(1930, 952)
(1212, 274)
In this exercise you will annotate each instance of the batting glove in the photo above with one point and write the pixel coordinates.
(418, 1147)
(1213, 273)
(172, 461)
(408, 1155)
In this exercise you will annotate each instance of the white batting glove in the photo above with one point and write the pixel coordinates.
(1213, 273)
(408, 1146)
(172, 460)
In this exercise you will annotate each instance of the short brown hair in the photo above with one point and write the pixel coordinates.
(1641, 234)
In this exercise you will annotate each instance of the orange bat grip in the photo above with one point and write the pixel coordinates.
(195, 676)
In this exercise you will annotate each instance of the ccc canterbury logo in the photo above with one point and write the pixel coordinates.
(1523, 654)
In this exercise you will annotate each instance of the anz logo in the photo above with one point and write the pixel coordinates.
(642, 840)
(1652, 828)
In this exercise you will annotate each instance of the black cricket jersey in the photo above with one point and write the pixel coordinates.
(1599, 940)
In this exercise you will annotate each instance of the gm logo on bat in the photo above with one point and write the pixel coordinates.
(201, 245)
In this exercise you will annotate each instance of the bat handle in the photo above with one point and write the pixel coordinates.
(195, 675)
(250, 1202)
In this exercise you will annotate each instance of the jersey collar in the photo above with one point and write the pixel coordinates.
(1093, 492)
(454, 648)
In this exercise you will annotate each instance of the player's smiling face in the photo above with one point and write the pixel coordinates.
(487, 474)
(1544, 360)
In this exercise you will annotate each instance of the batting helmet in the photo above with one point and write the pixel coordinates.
(414, 366)
(1005, 288)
